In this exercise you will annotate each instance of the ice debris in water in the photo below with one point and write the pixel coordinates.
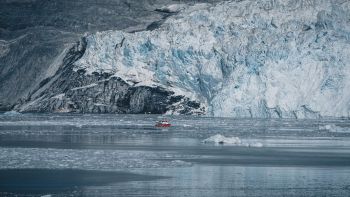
(181, 163)
(12, 113)
(110, 160)
(256, 144)
(220, 139)
(334, 128)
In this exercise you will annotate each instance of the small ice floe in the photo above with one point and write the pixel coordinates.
(181, 163)
(78, 125)
(255, 144)
(220, 139)
(12, 113)
(334, 128)
(47, 195)
(236, 141)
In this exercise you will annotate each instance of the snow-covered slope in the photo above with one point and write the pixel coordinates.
(271, 58)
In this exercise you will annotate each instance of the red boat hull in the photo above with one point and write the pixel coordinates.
(163, 125)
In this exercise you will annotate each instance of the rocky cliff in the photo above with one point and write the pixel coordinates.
(35, 35)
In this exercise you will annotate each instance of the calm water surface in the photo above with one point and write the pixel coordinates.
(125, 155)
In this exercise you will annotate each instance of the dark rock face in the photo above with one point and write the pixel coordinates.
(28, 61)
(70, 91)
(36, 34)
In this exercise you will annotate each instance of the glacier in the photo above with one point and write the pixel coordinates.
(240, 58)
(264, 59)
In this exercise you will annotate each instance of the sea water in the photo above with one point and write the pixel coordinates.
(125, 155)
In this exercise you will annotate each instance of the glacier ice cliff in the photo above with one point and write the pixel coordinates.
(270, 58)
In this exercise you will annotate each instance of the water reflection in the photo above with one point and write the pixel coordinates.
(234, 181)
(58, 181)
(297, 158)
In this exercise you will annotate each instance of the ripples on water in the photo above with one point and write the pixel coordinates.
(294, 157)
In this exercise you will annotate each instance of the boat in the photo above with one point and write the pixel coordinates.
(163, 123)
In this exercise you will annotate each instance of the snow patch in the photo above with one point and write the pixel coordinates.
(4, 50)
(85, 87)
(59, 96)
(172, 8)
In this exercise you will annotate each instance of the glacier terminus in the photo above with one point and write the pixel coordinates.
(271, 58)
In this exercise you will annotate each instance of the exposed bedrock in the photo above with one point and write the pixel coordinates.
(36, 34)
(74, 91)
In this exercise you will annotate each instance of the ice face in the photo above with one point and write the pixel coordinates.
(249, 58)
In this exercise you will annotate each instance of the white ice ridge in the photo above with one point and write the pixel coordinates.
(220, 139)
(269, 58)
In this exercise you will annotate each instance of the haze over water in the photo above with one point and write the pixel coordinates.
(125, 155)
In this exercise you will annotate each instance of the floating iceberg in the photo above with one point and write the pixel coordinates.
(220, 139)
